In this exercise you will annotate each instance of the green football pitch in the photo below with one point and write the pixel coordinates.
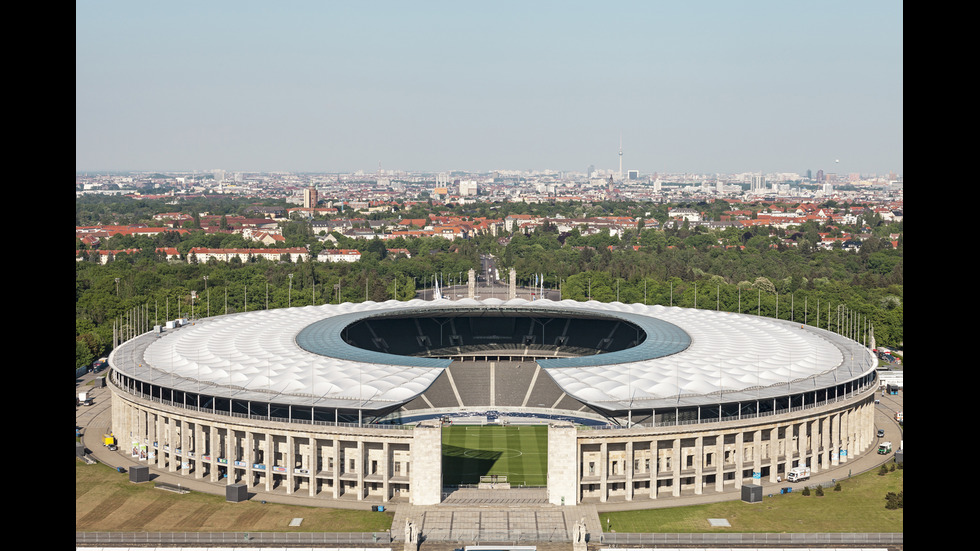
(472, 451)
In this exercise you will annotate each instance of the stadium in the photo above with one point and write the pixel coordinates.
(398, 401)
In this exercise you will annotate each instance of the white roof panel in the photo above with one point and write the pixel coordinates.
(687, 353)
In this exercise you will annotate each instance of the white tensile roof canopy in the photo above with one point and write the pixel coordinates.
(710, 356)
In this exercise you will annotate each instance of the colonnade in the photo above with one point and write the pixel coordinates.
(654, 463)
(325, 461)
(381, 464)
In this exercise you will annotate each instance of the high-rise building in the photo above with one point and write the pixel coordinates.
(310, 198)
(467, 187)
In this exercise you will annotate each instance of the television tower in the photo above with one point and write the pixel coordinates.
(620, 157)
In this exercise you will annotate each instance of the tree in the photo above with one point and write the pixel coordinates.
(377, 248)
(83, 354)
(895, 500)
(763, 284)
(869, 282)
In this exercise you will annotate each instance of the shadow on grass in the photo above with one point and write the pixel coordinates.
(466, 465)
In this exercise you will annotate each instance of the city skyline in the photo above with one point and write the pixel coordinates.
(711, 87)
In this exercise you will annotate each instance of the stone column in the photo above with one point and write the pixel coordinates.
(362, 463)
(603, 470)
(269, 460)
(117, 422)
(630, 461)
(471, 284)
(152, 436)
(720, 467)
(309, 463)
(739, 458)
(230, 446)
(385, 470)
(426, 465)
(858, 425)
(653, 468)
(336, 467)
(159, 438)
(563, 461)
(199, 448)
(854, 422)
(698, 464)
(185, 442)
(868, 430)
(824, 448)
(829, 438)
(676, 462)
(802, 445)
(288, 462)
(126, 421)
(835, 439)
(248, 457)
(512, 284)
(170, 443)
(214, 452)
(146, 430)
(814, 445)
(775, 445)
(860, 428)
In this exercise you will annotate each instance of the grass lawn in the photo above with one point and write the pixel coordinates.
(858, 507)
(520, 452)
(106, 501)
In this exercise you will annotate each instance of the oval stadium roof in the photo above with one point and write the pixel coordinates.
(297, 356)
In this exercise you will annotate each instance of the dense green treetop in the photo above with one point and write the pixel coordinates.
(755, 271)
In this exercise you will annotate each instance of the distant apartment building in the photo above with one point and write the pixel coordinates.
(516, 220)
(203, 254)
(268, 212)
(690, 215)
(339, 255)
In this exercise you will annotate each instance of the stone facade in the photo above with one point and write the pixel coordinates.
(324, 461)
(645, 463)
(332, 461)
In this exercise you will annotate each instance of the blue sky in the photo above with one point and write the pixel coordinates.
(331, 86)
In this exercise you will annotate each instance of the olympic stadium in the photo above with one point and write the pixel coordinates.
(350, 401)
